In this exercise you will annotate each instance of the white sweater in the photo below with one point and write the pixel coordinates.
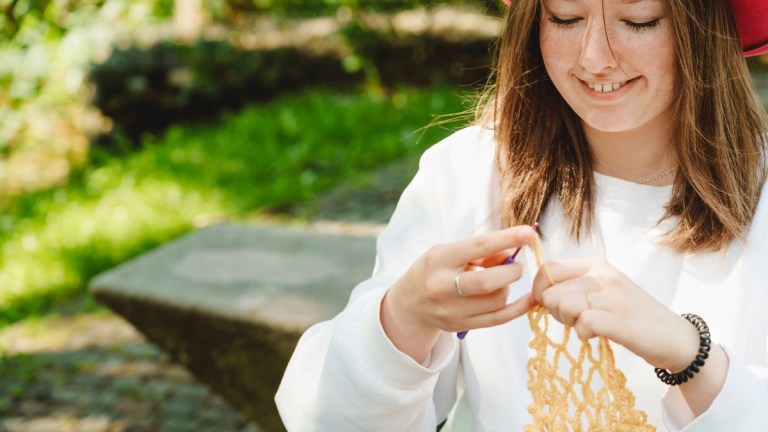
(346, 375)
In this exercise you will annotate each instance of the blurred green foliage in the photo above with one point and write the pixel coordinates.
(309, 8)
(47, 47)
(45, 115)
(282, 152)
(113, 205)
(146, 89)
(271, 155)
(25, 18)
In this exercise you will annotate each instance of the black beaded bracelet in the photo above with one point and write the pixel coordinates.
(705, 343)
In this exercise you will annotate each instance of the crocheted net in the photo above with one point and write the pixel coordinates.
(569, 403)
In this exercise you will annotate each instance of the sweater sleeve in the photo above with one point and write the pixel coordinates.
(742, 404)
(345, 374)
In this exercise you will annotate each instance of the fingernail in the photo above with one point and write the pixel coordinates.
(462, 334)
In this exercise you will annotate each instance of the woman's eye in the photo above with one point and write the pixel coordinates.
(562, 22)
(640, 26)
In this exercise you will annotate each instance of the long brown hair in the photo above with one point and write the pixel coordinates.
(542, 151)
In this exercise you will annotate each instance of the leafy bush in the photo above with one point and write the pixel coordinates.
(145, 90)
(309, 8)
(46, 116)
(282, 153)
(46, 119)
(148, 89)
(419, 59)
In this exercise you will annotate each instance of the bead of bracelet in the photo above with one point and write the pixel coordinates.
(705, 343)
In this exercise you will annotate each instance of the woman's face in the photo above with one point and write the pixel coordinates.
(611, 60)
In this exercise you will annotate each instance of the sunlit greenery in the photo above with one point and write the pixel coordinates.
(115, 206)
(109, 207)
(46, 47)
(287, 151)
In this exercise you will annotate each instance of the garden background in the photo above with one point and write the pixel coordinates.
(124, 124)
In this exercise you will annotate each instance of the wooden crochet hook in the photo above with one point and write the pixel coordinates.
(539, 254)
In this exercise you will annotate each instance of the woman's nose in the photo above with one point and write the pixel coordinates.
(597, 55)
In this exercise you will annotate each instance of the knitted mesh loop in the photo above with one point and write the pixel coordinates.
(569, 403)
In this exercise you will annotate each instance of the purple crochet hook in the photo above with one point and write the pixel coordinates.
(510, 259)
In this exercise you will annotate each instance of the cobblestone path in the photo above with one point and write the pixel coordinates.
(94, 373)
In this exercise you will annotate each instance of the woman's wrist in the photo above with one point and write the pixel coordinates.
(681, 375)
(682, 346)
(411, 338)
(699, 372)
(700, 392)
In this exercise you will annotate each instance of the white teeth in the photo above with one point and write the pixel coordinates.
(604, 88)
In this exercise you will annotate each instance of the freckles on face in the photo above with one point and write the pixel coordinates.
(612, 61)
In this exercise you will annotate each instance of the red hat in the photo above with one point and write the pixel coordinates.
(751, 17)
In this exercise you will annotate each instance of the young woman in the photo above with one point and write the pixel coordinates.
(629, 129)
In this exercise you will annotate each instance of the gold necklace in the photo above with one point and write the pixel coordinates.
(658, 176)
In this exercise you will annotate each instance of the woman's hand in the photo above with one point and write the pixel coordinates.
(425, 300)
(598, 300)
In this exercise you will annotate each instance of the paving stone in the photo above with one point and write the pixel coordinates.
(138, 351)
(89, 381)
(68, 396)
(138, 409)
(126, 386)
(190, 391)
(144, 424)
(63, 424)
(178, 424)
(178, 374)
(176, 409)
(156, 390)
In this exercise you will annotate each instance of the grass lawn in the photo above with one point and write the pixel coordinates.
(285, 152)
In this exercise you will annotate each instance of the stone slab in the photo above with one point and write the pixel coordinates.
(229, 302)
(284, 277)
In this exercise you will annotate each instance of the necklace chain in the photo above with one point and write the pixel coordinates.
(658, 176)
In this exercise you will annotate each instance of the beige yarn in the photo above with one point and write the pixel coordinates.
(569, 403)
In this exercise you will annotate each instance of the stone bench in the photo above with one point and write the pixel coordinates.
(229, 302)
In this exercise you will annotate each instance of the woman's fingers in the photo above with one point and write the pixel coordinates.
(509, 312)
(560, 271)
(592, 322)
(485, 298)
(569, 306)
(476, 248)
(474, 283)
(570, 299)
(439, 292)
(495, 259)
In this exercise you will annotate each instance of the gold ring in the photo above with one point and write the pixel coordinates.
(457, 285)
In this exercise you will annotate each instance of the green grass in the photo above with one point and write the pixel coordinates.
(283, 153)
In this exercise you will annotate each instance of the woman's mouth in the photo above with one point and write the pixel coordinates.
(605, 88)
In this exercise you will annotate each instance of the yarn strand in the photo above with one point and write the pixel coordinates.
(570, 403)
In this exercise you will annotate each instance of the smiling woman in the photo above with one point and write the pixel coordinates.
(622, 74)
(631, 131)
